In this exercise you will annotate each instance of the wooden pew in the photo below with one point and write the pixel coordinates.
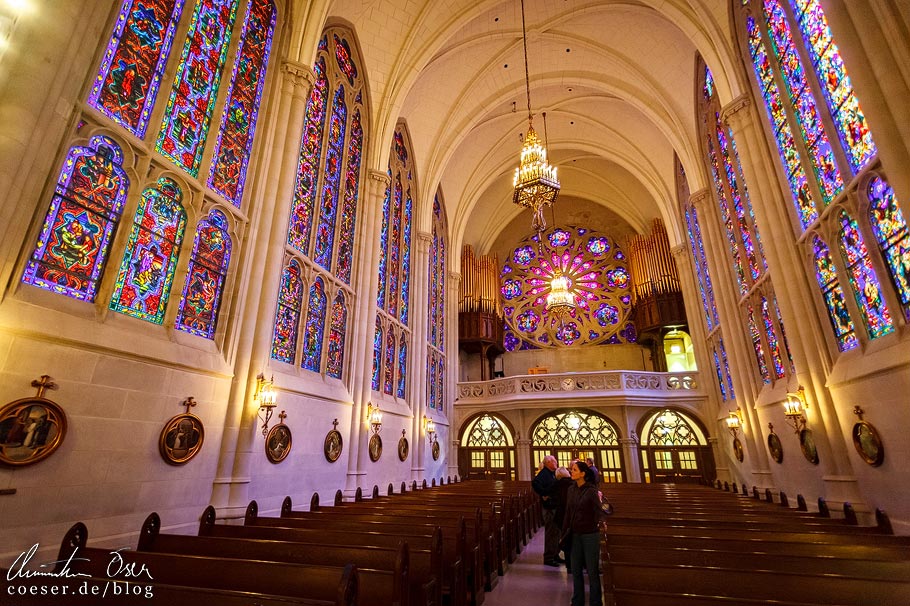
(383, 573)
(230, 579)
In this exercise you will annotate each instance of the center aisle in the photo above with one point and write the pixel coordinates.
(529, 583)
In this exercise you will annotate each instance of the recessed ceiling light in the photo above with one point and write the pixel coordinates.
(506, 65)
(572, 122)
(568, 50)
(570, 89)
(496, 19)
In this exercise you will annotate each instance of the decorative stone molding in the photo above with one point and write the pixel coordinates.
(737, 110)
(568, 384)
(424, 239)
(679, 250)
(698, 198)
(298, 74)
(379, 176)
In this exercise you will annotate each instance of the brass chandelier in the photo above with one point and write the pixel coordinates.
(535, 183)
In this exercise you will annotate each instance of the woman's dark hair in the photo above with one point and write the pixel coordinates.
(583, 468)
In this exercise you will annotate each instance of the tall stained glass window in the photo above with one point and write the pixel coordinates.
(241, 109)
(393, 294)
(314, 326)
(377, 356)
(147, 271)
(793, 52)
(753, 282)
(84, 211)
(890, 230)
(287, 317)
(436, 308)
(187, 117)
(321, 228)
(205, 276)
(127, 82)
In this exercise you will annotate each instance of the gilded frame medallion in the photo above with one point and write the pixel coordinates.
(181, 439)
(278, 443)
(868, 443)
(403, 447)
(775, 448)
(436, 450)
(333, 446)
(738, 450)
(807, 445)
(31, 429)
(375, 447)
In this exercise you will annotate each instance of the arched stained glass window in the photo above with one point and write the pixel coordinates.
(865, 284)
(388, 376)
(377, 356)
(144, 282)
(393, 297)
(287, 317)
(401, 388)
(847, 116)
(742, 235)
(83, 214)
(436, 359)
(487, 431)
(337, 332)
(705, 288)
(241, 109)
(127, 82)
(574, 428)
(720, 376)
(325, 230)
(890, 230)
(349, 206)
(672, 428)
(314, 326)
(833, 294)
(307, 166)
(198, 312)
(185, 126)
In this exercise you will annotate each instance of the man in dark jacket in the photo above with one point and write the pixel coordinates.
(544, 484)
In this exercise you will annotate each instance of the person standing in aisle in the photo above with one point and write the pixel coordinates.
(544, 484)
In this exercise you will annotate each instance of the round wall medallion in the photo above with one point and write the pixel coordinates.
(31, 429)
(403, 448)
(278, 443)
(738, 450)
(375, 447)
(333, 446)
(868, 443)
(181, 439)
(775, 448)
(435, 451)
(807, 445)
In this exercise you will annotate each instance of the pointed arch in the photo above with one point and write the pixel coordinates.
(287, 316)
(147, 271)
(337, 333)
(833, 295)
(205, 276)
(487, 448)
(82, 217)
(314, 326)
(893, 237)
(866, 288)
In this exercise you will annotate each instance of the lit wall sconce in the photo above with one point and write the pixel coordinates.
(374, 418)
(429, 428)
(794, 407)
(267, 398)
(734, 422)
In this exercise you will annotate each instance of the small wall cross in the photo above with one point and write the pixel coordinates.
(45, 382)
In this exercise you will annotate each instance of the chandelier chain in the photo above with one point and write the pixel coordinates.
(524, 40)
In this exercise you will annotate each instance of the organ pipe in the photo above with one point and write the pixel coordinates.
(479, 290)
(653, 268)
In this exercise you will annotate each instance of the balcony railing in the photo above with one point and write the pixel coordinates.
(666, 385)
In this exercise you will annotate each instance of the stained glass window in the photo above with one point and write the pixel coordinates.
(383, 244)
(144, 282)
(436, 307)
(314, 326)
(205, 276)
(771, 334)
(833, 294)
(720, 376)
(598, 272)
(757, 344)
(705, 288)
(337, 332)
(287, 317)
(389, 363)
(866, 288)
(402, 369)
(127, 82)
(726, 366)
(377, 356)
(238, 123)
(325, 231)
(83, 214)
(848, 118)
(890, 230)
(185, 125)
(349, 206)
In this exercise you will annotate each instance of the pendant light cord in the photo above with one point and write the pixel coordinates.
(524, 39)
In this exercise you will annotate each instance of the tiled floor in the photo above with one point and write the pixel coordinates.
(529, 583)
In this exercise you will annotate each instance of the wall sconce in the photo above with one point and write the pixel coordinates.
(374, 418)
(429, 427)
(794, 407)
(267, 398)
(734, 422)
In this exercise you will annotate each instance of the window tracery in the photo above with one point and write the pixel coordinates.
(436, 357)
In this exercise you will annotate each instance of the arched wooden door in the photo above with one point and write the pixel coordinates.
(578, 434)
(487, 449)
(674, 449)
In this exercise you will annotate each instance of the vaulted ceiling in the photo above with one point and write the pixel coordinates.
(616, 79)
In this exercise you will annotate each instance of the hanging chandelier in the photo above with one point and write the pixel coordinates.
(560, 300)
(535, 183)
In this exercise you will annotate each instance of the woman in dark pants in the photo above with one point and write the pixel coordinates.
(561, 491)
(582, 517)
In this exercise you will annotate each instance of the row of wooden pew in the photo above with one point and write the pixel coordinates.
(694, 546)
(442, 546)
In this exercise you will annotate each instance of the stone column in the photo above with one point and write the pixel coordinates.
(364, 324)
(453, 282)
(805, 329)
(522, 456)
(417, 397)
(268, 235)
(632, 456)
